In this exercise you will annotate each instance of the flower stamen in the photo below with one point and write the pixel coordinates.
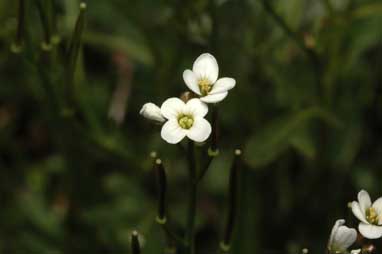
(185, 121)
(205, 86)
(372, 216)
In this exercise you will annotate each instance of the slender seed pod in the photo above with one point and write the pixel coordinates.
(162, 188)
(75, 42)
(135, 246)
(232, 202)
(45, 22)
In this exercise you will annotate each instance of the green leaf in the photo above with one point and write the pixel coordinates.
(138, 51)
(303, 142)
(276, 137)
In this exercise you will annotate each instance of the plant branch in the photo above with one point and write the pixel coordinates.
(192, 198)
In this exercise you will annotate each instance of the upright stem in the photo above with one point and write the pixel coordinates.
(192, 198)
(214, 138)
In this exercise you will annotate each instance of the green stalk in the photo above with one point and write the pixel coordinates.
(45, 22)
(75, 43)
(18, 44)
(192, 198)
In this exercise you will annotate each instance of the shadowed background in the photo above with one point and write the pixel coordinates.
(76, 175)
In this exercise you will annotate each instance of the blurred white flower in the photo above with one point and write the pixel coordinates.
(152, 112)
(185, 119)
(341, 237)
(357, 251)
(369, 214)
(203, 79)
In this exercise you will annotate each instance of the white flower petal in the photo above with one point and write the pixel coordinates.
(200, 130)
(171, 107)
(334, 231)
(345, 237)
(370, 231)
(357, 251)
(364, 200)
(151, 111)
(223, 85)
(214, 98)
(206, 66)
(378, 208)
(191, 81)
(357, 211)
(171, 132)
(196, 108)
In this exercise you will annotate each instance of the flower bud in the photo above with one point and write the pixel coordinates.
(341, 237)
(152, 112)
(186, 96)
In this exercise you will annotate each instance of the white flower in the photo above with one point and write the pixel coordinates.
(152, 112)
(203, 79)
(185, 119)
(369, 214)
(357, 251)
(341, 237)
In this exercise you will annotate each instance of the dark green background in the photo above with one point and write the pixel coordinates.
(306, 110)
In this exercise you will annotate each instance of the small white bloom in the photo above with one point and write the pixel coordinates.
(203, 79)
(152, 112)
(185, 119)
(369, 214)
(357, 251)
(341, 237)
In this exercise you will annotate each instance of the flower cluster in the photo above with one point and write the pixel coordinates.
(370, 227)
(186, 119)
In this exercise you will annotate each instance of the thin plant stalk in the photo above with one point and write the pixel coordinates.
(19, 41)
(192, 198)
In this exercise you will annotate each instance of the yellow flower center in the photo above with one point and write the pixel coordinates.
(185, 121)
(372, 216)
(205, 86)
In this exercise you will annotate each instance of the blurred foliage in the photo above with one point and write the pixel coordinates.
(74, 155)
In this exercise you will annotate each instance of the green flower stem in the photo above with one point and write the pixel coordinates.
(213, 151)
(211, 154)
(171, 235)
(17, 45)
(44, 17)
(192, 198)
(75, 43)
(214, 136)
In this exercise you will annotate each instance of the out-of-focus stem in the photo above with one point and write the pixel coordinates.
(214, 138)
(211, 154)
(18, 44)
(44, 17)
(192, 198)
(213, 150)
(232, 203)
(75, 43)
